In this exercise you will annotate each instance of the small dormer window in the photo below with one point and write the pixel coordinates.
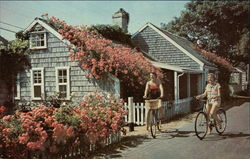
(38, 40)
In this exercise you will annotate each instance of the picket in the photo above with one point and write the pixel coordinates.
(171, 109)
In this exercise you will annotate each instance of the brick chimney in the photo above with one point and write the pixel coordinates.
(121, 18)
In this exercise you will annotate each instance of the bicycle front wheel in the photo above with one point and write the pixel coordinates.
(201, 125)
(221, 127)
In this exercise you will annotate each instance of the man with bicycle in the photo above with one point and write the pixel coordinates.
(213, 94)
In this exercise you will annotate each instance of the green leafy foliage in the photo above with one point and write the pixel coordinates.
(217, 26)
(13, 58)
(113, 33)
(65, 116)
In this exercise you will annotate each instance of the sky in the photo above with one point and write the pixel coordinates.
(22, 13)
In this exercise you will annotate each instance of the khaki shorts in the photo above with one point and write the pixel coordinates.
(216, 103)
(153, 104)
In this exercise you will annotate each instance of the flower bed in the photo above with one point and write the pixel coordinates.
(50, 131)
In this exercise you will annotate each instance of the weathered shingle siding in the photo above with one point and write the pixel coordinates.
(56, 55)
(162, 50)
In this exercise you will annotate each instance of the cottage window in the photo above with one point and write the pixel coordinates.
(62, 82)
(17, 88)
(234, 78)
(38, 40)
(37, 83)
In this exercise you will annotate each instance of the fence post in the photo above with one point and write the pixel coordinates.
(130, 114)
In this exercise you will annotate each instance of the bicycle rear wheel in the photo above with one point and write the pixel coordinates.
(201, 125)
(221, 127)
(153, 124)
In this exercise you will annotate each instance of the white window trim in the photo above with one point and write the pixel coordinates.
(45, 40)
(68, 80)
(18, 87)
(32, 83)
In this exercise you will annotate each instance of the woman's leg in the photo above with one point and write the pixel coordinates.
(208, 109)
(148, 118)
(213, 112)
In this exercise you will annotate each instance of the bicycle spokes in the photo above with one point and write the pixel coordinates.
(221, 125)
(201, 125)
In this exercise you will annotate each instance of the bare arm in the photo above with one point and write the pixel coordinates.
(146, 91)
(219, 94)
(162, 92)
(202, 95)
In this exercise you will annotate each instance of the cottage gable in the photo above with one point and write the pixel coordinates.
(53, 71)
(166, 48)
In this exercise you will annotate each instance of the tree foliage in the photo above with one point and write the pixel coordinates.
(114, 33)
(221, 27)
(13, 58)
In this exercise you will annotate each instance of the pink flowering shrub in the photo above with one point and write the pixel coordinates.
(105, 116)
(2, 111)
(48, 129)
(100, 56)
(219, 61)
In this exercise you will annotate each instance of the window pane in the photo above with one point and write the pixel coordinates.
(62, 76)
(37, 39)
(37, 76)
(41, 36)
(37, 91)
(64, 73)
(63, 91)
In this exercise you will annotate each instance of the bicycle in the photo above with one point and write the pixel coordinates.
(202, 122)
(155, 123)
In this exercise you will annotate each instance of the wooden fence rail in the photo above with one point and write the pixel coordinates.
(171, 109)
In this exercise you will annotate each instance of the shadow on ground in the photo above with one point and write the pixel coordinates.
(177, 133)
(212, 137)
(215, 137)
(235, 101)
(112, 151)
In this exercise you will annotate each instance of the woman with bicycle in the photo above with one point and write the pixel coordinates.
(213, 94)
(153, 90)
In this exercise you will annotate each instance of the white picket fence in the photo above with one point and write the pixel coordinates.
(171, 110)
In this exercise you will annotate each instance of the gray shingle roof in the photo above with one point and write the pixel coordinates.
(187, 45)
(154, 43)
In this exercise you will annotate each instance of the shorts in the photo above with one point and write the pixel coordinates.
(216, 103)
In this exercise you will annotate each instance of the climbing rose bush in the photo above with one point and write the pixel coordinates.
(49, 129)
(100, 56)
(221, 62)
(2, 111)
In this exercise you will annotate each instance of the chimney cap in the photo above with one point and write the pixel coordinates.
(121, 12)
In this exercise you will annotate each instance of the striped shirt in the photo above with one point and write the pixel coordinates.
(212, 91)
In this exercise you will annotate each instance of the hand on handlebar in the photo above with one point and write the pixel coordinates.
(197, 97)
